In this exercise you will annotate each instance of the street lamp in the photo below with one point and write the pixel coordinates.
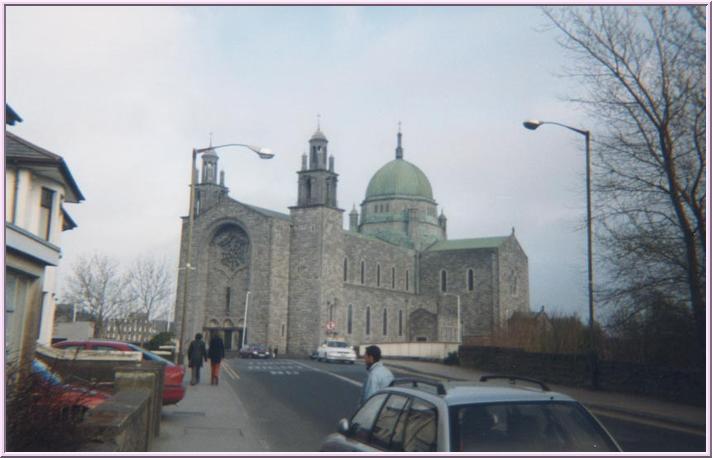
(533, 124)
(263, 153)
(459, 326)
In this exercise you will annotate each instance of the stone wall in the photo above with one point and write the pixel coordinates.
(575, 370)
(513, 280)
(265, 275)
(315, 286)
(279, 285)
(120, 424)
(477, 306)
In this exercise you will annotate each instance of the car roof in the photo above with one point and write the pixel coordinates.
(484, 394)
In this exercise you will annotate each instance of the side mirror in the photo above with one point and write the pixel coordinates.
(344, 427)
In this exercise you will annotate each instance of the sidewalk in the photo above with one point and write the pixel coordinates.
(645, 409)
(208, 419)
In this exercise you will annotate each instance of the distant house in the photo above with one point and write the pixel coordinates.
(72, 323)
(135, 328)
(37, 185)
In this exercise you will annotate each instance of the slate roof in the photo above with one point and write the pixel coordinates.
(19, 151)
(468, 244)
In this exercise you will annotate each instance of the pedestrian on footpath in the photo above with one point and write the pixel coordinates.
(196, 356)
(379, 376)
(216, 353)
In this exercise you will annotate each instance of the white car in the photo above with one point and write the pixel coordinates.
(335, 350)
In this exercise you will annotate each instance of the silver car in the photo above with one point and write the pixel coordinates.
(419, 416)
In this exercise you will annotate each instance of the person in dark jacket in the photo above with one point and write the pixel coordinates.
(216, 353)
(196, 356)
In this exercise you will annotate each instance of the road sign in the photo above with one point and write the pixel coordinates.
(330, 325)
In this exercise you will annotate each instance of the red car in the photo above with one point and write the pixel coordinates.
(173, 388)
(69, 399)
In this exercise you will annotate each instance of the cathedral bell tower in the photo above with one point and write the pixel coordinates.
(317, 181)
(317, 252)
(208, 192)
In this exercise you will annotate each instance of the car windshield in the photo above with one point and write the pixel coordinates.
(258, 347)
(336, 343)
(527, 427)
(147, 355)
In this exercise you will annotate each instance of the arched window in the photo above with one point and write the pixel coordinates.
(346, 269)
(378, 275)
(350, 319)
(368, 320)
(385, 321)
(363, 272)
(393, 278)
(470, 280)
(443, 281)
(400, 322)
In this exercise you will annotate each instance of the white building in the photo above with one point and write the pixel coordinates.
(37, 185)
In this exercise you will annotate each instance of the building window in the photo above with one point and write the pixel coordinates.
(227, 299)
(470, 280)
(385, 322)
(400, 322)
(407, 280)
(393, 278)
(283, 329)
(443, 281)
(346, 268)
(368, 320)
(349, 319)
(378, 275)
(46, 212)
(363, 272)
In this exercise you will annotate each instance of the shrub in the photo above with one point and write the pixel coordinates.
(452, 359)
(36, 417)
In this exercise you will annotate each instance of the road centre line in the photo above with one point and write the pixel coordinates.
(345, 379)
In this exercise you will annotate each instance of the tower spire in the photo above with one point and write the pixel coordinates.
(399, 148)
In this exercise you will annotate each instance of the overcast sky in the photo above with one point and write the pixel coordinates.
(124, 93)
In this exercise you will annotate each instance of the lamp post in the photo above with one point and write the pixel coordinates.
(459, 326)
(263, 153)
(533, 125)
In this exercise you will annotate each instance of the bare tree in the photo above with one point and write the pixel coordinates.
(643, 73)
(97, 286)
(150, 285)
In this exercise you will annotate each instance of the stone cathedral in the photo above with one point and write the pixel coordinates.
(290, 280)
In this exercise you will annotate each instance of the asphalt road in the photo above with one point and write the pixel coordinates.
(295, 404)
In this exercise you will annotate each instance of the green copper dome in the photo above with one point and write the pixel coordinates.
(399, 178)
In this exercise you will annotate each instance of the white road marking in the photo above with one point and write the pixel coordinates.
(345, 379)
(231, 372)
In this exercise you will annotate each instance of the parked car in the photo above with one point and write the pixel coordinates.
(173, 374)
(255, 351)
(335, 350)
(419, 416)
(63, 399)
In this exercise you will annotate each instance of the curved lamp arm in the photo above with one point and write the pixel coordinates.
(263, 153)
(532, 124)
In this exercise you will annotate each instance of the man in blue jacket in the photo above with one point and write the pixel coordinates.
(379, 376)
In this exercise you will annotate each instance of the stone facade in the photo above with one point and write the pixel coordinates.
(392, 277)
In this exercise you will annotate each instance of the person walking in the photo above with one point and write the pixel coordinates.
(379, 376)
(216, 353)
(196, 356)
